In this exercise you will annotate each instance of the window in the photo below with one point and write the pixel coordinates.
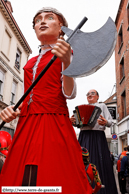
(120, 38)
(123, 101)
(1, 83)
(13, 93)
(18, 59)
(114, 98)
(6, 43)
(122, 71)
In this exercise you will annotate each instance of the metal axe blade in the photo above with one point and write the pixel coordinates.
(90, 50)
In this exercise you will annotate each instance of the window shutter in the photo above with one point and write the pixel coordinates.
(14, 87)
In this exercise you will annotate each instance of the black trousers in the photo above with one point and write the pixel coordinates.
(123, 184)
(119, 180)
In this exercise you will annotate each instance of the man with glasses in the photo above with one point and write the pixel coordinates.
(94, 140)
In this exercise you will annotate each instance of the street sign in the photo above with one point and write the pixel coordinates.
(114, 136)
(114, 141)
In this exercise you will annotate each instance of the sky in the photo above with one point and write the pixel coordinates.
(97, 12)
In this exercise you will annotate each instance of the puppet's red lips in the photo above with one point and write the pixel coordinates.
(43, 27)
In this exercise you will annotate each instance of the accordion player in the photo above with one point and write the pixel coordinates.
(86, 115)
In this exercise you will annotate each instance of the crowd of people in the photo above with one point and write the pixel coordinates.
(45, 144)
(123, 170)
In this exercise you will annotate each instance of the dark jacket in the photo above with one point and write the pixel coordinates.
(124, 163)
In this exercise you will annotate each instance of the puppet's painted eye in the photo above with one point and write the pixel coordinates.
(38, 20)
(50, 18)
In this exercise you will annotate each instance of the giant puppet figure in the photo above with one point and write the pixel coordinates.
(94, 139)
(45, 145)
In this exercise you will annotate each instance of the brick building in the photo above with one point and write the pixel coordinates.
(122, 72)
(14, 53)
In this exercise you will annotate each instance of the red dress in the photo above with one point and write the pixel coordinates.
(45, 136)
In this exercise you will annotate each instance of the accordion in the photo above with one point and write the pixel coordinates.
(86, 115)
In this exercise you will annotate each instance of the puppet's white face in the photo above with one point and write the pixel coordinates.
(47, 27)
(92, 97)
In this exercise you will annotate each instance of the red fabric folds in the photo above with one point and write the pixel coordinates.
(49, 141)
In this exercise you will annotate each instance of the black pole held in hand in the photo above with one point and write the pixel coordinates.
(43, 71)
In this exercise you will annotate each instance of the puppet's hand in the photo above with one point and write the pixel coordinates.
(102, 121)
(73, 120)
(8, 114)
(63, 51)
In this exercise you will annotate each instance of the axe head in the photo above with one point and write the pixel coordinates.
(90, 50)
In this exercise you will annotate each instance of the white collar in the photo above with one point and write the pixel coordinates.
(43, 51)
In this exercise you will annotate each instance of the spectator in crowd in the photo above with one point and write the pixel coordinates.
(91, 171)
(124, 172)
(124, 152)
(118, 166)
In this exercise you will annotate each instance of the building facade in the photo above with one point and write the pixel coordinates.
(122, 72)
(112, 132)
(14, 53)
